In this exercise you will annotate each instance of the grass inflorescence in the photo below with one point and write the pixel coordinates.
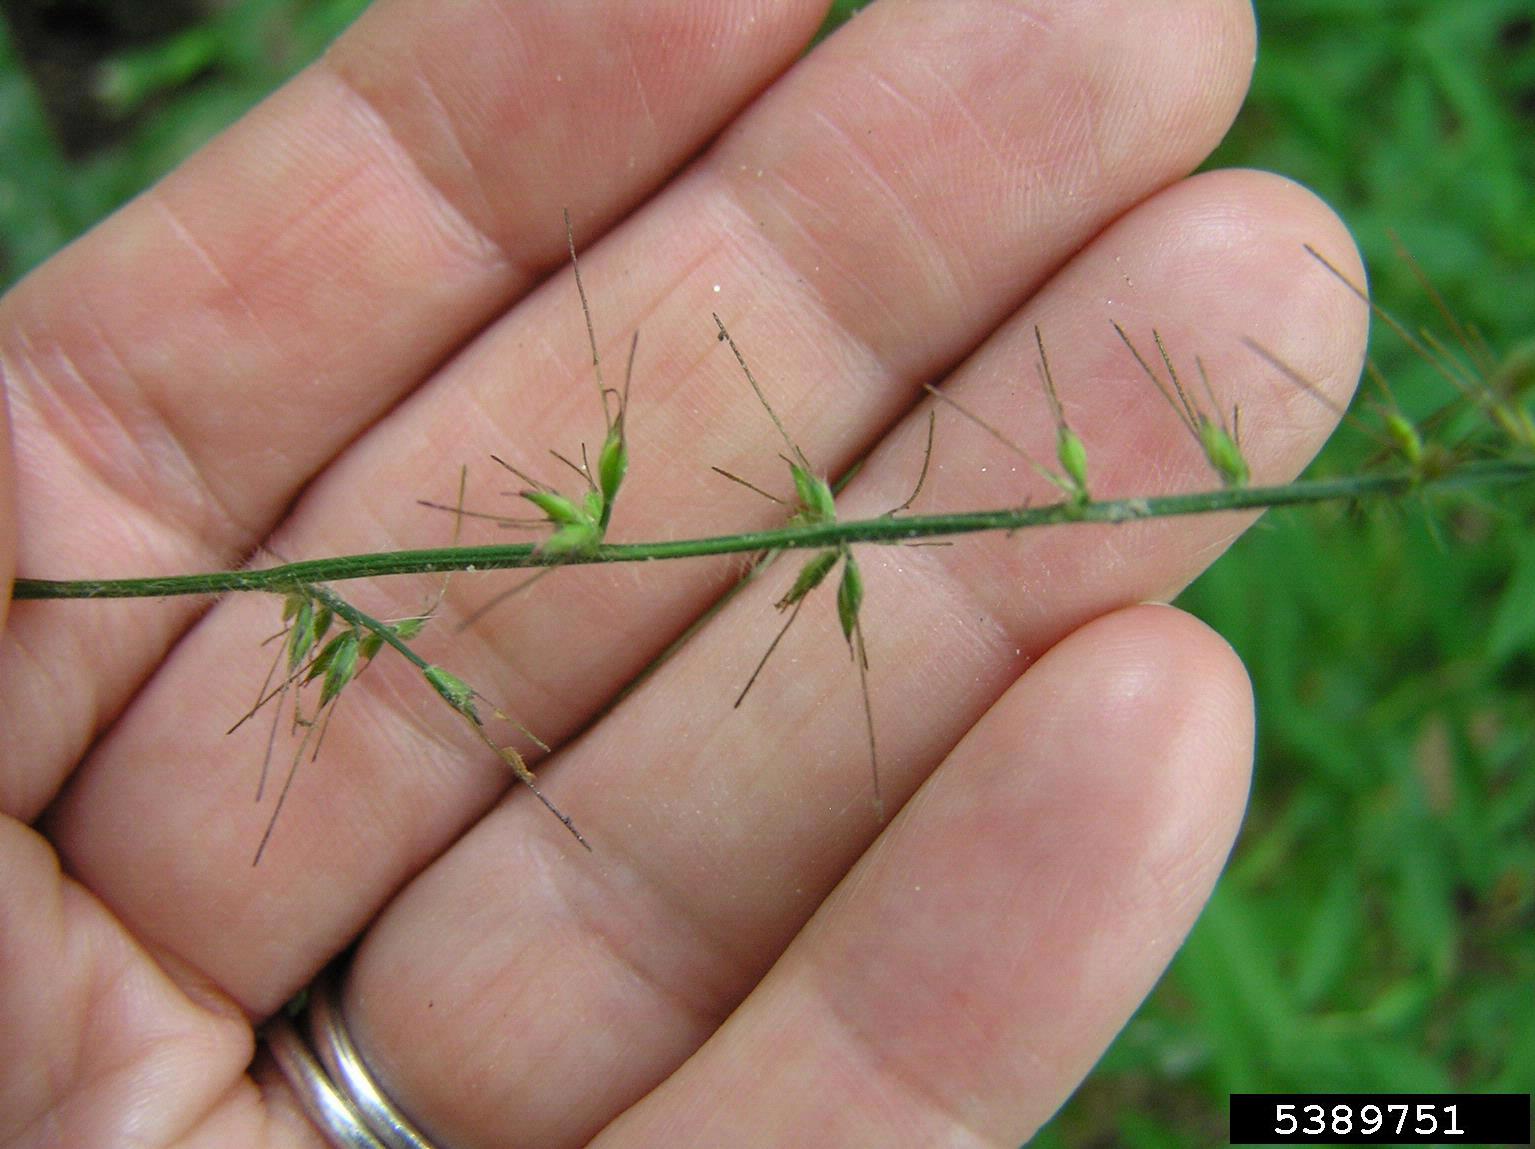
(1482, 438)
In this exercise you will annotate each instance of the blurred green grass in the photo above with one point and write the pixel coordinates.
(168, 97)
(1376, 929)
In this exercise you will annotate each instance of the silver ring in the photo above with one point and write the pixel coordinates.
(337, 1091)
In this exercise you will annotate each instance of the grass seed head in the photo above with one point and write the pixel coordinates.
(849, 597)
(1223, 453)
(454, 690)
(816, 504)
(338, 662)
(1072, 456)
(811, 575)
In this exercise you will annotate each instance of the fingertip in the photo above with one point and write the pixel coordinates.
(1062, 855)
(977, 962)
(1175, 689)
(1135, 730)
(1299, 266)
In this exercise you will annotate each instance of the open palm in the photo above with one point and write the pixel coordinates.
(360, 287)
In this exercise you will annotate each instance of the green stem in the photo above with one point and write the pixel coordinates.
(345, 610)
(883, 530)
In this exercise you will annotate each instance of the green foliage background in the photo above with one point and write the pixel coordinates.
(1376, 929)
(171, 97)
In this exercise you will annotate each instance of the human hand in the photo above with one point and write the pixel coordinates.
(314, 322)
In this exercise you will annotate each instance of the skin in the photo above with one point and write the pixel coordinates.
(314, 322)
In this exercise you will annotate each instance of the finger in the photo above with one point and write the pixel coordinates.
(403, 780)
(7, 525)
(181, 372)
(968, 973)
(561, 995)
(100, 1048)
